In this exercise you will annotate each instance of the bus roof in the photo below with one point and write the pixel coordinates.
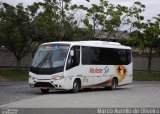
(92, 44)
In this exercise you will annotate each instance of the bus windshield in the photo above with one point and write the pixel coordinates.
(50, 56)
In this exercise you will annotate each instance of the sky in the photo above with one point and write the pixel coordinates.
(152, 6)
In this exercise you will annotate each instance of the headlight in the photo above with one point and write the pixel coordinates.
(57, 77)
(32, 78)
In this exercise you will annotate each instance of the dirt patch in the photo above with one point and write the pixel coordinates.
(3, 79)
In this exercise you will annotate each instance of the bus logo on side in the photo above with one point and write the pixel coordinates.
(106, 70)
(99, 70)
(95, 70)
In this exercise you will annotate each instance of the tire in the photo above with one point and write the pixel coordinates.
(76, 86)
(44, 91)
(113, 84)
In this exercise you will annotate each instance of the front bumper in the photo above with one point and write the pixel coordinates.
(45, 83)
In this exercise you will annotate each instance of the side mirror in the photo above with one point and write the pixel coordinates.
(72, 53)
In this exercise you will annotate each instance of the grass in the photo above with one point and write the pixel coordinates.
(12, 74)
(146, 76)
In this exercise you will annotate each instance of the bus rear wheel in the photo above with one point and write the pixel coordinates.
(113, 84)
(76, 86)
(44, 91)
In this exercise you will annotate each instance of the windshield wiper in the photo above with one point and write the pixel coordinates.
(50, 59)
(43, 61)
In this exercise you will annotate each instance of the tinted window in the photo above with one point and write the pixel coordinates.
(105, 56)
(128, 56)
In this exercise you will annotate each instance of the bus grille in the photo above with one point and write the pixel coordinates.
(43, 84)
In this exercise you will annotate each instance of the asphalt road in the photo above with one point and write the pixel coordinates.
(15, 91)
(138, 94)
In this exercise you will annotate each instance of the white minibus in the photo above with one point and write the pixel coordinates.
(82, 64)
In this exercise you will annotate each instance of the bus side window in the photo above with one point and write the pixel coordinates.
(128, 56)
(73, 60)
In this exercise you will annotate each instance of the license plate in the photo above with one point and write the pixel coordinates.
(44, 87)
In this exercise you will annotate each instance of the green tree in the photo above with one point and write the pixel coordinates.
(110, 18)
(54, 22)
(16, 30)
(147, 37)
(22, 29)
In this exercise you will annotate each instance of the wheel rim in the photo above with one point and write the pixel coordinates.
(75, 87)
(114, 84)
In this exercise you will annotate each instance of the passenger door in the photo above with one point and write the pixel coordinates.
(72, 69)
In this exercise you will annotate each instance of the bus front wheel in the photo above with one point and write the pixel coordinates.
(76, 86)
